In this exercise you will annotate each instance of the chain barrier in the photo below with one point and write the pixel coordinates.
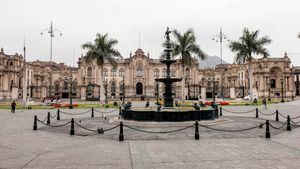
(61, 125)
(278, 127)
(222, 130)
(295, 123)
(44, 119)
(75, 113)
(85, 128)
(53, 116)
(282, 115)
(249, 111)
(92, 130)
(159, 132)
(104, 111)
(295, 117)
(266, 113)
(111, 128)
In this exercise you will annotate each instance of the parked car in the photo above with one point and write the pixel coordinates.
(248, 97)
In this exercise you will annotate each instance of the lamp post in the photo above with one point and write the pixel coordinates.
(269, 93)
(52, 32)
(123, 88)
(105, 88)
(282, 100)
(219, 38)
(157, 93)
(213, 91)
(71, 90)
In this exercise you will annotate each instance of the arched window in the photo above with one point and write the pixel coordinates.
(89, 72)
(121, 72)
(105, 72)
(187, 72)
(164, 74)
(113, 87)
(156, 73)
(273, 83)
(113, 72)
(172, 72)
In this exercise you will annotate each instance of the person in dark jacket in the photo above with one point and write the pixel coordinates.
(13, 107)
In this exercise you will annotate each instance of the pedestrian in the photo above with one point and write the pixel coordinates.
(265, 103)
(13, 107)
(147, 104)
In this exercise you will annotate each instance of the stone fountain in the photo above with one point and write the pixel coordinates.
(168, 112)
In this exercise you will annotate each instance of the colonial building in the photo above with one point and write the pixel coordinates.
(136, 76)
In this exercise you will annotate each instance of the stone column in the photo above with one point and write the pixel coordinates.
(203, 92)
(44, 91)
(83, 92)
(14, 92)
(232, 92)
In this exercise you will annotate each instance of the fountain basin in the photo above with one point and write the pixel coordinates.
(169, 115)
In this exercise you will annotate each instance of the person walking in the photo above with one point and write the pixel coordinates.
(264, 101)
(13, 107)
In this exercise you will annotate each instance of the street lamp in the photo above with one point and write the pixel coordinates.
(123, 88)
(71, 90)
(269, 93)
(157, 93)
(213, 89)
(219, 38)
(52, 32)
(105, 88)
(282, 100)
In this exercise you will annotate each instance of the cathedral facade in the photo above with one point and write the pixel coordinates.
(134, 77)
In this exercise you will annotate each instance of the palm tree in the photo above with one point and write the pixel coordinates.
(247, 45)
(100, 51)
(184, 46)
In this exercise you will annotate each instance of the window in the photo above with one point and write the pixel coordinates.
(156, 73)
(121, 72)
(113, 87)
(65, 85)
(89, 72)
(273, 83)
(105, 72)
(187, 72)
(11, 63)
(113, 72)
(164, 72)
(139, 71)
(172, 73)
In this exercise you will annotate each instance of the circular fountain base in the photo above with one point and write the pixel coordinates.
(169, 115)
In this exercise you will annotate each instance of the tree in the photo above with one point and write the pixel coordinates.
(100, 51)
(184, 46)
(247, 45)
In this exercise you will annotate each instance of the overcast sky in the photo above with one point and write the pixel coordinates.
(124, 20)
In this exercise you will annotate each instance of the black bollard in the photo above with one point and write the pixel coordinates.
(256, 114)
(196, 130)
(58, 115)
(268, 135)
(35, 123)
(72, 131)
(277, 117)
(120, 110)
(288, 124)
(221, 114)
(48, 118)
(121, 135)
(92, 112)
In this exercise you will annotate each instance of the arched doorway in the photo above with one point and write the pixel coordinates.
(139, 88)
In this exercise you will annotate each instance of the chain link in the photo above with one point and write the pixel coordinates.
(61, 125)
(239, 130)
(278, 127)
(266, 113)
(75, 113)
(249, 111)
(159, 132)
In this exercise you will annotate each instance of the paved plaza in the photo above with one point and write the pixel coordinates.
(21, 147)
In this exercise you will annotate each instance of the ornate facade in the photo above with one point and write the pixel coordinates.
(135, 75)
